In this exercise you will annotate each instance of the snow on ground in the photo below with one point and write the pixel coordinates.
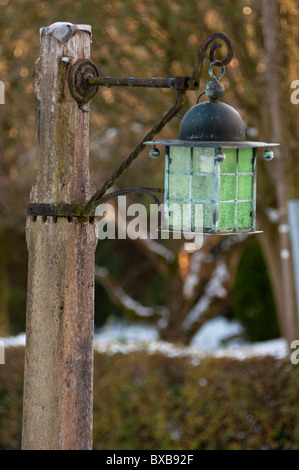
(122, 337)
(216, 331)
(15, 341)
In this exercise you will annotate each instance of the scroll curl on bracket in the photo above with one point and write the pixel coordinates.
(203, 49)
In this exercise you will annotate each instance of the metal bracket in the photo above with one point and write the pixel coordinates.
(84, 78)
(84, 82)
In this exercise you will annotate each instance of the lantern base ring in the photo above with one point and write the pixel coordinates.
(241, 232)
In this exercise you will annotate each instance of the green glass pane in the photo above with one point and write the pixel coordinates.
(208, 215)
(179, 215)
(203, 187)
(245, 160)
(179, 186)
(229, 164)
(227, 187)
(180, 158)
(244, 214)
(203, 160)
(244, 187)
(226, 215)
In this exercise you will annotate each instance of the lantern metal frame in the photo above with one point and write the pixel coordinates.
(216, 174)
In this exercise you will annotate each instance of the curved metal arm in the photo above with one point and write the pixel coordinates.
(147, 191)
(181, 98)
(97, 197)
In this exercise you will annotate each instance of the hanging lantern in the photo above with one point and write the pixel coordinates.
(212, 166)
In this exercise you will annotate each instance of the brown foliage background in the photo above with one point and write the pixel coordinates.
(153, 38)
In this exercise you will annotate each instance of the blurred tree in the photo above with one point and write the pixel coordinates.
(277, 62)
(252, 299)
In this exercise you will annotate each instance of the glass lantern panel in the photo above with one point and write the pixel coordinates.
(227, 188)
(202, 216)
(179, 215)
(203, 160)
(208, 215)
(197, 214)
(226, 215)
(203, 188)
(244, 214)
(245, 160)
(229, 164)
(179, 186)
(244, 187)
(180, 159)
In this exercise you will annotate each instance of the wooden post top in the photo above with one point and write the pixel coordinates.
(63, 175)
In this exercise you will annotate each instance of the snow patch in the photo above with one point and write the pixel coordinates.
(125, 338)
(14, 341)
(213, 333)
(277, 348)
(123, 331)
(63, 30)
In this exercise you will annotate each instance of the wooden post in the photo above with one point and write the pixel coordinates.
(58, 383)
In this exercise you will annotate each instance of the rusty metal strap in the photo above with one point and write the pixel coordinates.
(177, 83)
(55, 210)
(75, 210)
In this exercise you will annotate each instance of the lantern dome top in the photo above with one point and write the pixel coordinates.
(212, 121)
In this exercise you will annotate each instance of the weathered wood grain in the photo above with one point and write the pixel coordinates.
(57, 412)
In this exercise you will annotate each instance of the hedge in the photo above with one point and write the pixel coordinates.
(153, 402)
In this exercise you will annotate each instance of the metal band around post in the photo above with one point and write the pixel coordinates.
(55, 210)
(75, 210)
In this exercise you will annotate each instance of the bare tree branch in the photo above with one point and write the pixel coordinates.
(122, 300)
(214, 289)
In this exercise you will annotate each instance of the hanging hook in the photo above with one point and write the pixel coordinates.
(211, 71)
